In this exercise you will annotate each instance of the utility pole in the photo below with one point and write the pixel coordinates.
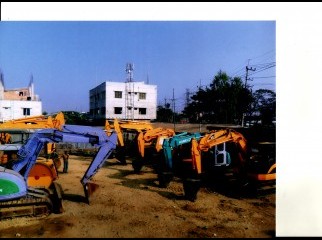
(187, 97)
(174, 110)
(248, 69)
(246, 78)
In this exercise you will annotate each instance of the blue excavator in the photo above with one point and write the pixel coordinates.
(175, 150)
(17, 198)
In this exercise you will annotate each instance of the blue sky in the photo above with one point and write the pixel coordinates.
(68, 58)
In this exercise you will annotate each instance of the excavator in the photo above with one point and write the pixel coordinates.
(17, 198)
(176, 151)
(150, 145)
(34, 122)
(127, 133)
(214, 153)
(14, 133)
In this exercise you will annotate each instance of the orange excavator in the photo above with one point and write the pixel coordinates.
(229, 149)
(217, 152)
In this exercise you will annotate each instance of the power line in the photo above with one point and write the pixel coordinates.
(265, 77)
(266, 53)
(263, 69)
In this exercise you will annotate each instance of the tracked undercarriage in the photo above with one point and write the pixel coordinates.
(37, 202)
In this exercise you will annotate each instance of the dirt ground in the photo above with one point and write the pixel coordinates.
(130, 205)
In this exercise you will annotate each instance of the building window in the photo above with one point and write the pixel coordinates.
(142, 95)
(142, 111)
(20, 93)
(118, 94)
(26, 111)
(117, 110)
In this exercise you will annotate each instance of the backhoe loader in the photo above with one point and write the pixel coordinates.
(18, 198)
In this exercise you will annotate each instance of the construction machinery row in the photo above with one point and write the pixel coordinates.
(194, 157)
(28, 186)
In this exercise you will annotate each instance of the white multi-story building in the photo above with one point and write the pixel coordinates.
(127, 100)
(19, 102)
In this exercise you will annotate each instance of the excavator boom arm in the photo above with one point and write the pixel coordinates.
(160, 134)
(29, 152)
(177, 140)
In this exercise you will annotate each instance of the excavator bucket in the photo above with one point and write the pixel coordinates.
(89, 189)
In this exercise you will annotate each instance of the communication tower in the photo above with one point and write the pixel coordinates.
(129, 92)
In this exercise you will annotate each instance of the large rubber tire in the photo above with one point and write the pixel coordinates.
(191, 187)
(165, 179)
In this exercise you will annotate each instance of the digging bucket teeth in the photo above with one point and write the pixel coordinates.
(89, 189)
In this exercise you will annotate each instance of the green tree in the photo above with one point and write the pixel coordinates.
(164, 114)
(224, 101)
(264, 105)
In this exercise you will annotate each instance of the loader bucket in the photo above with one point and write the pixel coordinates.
(89, 189)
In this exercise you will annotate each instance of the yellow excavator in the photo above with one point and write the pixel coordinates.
(127, 134)
(16, 132)
(35, 122)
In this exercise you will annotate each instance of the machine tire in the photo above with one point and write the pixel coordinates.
(191, 187)
(165, 179)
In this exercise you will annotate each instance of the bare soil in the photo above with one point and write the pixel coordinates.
(130, 205)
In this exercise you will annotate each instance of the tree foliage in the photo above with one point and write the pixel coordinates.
(164, 114)
(264, 105)
(226, 100)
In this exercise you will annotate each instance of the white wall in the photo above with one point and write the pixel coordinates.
(10, 109)
(150, 103)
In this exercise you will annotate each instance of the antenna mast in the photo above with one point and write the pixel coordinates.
(129, 92)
